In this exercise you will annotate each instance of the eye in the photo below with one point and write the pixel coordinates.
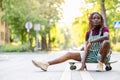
(96, 17)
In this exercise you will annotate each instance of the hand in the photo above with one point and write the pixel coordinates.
(83, 66)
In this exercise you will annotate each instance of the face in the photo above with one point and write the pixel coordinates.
(96, 20)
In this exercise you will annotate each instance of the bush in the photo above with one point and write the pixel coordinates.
(15, 48)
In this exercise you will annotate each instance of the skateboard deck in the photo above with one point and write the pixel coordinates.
(107, 68)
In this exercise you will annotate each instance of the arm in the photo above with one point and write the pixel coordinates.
(102, 38)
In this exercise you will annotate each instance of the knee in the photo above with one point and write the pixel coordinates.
(105, 44)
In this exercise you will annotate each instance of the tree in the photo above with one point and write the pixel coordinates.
(103, 11)
(50, 11)
(17, 13)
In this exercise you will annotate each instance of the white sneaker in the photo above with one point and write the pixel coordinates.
(41, 64)
(99, 66)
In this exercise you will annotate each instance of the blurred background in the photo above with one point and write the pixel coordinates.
(52, 25)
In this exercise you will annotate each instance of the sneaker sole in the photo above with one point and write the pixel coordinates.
(38, 65)
(99, 70)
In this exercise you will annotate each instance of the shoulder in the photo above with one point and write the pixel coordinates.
(88, 32)
(87, 35)
(105, 29)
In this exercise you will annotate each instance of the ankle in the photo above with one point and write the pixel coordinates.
(100, 62)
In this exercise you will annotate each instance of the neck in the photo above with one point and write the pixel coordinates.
(97, 27)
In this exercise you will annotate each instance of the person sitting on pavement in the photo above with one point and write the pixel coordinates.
(97, 47)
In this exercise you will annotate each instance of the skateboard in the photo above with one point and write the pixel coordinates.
(107, 65)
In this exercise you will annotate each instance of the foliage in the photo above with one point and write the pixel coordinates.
(15, 15)
(1, 3)
(80, 26)
(50, 11)
(18, 12)
(47, 13)
(15, 48)
(113, 12)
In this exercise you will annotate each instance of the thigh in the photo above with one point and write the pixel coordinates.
(104, 47)
(76, 55)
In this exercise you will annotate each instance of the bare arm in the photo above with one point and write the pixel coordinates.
(102, 38)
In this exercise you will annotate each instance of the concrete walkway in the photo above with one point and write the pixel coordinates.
(19, 67)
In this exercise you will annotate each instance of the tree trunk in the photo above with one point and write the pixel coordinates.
(44, 43)
(7, 34)
(103, 12)
(49, 41)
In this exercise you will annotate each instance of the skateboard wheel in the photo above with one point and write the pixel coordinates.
(72, 67)
(108, 68)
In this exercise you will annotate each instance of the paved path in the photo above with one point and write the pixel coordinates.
(19, 67)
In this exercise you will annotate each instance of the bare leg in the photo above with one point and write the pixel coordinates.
(69, 55)
(104, 50)
(44, 65)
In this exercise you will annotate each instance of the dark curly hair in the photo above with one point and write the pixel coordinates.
(90, 20)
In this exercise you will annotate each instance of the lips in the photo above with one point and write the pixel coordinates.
(96, 23)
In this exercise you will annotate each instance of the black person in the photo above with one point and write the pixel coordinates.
(97, 46)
